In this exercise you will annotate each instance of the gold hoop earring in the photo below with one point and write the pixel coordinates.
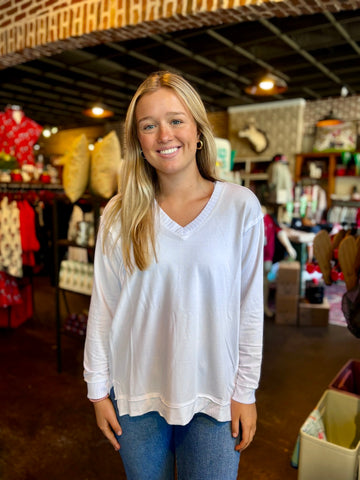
(199, 145)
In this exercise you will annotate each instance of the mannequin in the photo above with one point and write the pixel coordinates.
(18, 134)
(16, 113)
(280, 186)
(280, 180)
(272, 232)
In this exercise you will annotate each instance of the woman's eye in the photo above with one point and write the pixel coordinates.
(176, 121)
(148, 127)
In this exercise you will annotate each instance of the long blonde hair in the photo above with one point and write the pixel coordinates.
(134, 206)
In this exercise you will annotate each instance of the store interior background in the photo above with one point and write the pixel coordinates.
(47, 427)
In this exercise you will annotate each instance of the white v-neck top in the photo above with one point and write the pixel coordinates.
(184, 336)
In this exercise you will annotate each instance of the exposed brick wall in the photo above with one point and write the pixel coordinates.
(31, 29)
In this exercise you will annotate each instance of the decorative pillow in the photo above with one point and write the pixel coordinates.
(336, 138)
(105, 165)
(76, 168)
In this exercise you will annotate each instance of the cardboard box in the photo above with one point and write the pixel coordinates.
(288, 278)
(288, 272)
(314, 314)
(287, 289)
(286, 309)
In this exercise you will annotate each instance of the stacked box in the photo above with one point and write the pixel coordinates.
(337, 456)
(287, 293)
(314, 314)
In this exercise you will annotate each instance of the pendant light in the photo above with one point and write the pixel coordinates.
(329, 120)
(268, 85)
(98, 110)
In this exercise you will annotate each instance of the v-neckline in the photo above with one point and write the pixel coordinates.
(197, 222)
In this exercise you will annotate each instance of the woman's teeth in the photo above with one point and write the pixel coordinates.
(168, 151)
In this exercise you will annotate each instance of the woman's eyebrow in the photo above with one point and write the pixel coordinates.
(149, 117)
(144, 119)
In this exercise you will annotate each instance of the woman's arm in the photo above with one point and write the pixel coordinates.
(243, 408)
(104, 299)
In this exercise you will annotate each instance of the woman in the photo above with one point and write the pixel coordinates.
(174, 337)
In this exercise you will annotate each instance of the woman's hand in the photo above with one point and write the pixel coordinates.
(246, 415)
(107, 421)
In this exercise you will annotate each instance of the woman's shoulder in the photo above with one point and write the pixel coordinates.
(242, 203)
(240, 193)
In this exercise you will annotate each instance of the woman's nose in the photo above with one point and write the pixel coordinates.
(164, 132)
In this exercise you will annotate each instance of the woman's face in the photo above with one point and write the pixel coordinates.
(167, 132)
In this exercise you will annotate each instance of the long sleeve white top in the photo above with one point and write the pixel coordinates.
(185, 335)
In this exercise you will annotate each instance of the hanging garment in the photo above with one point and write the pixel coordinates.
(29, 241)
(271, 229)
(319, 197)
(10, 240)
(280, 183)
(18, 135)
(9, 291)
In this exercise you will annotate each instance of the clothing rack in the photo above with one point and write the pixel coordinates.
(26, 186)
(33, 192)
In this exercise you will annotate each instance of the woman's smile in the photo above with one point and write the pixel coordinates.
(169, 151)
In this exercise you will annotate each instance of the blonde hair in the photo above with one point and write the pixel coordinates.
(134, 206)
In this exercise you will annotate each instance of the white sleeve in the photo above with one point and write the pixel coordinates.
(251, 314)
(104, 298)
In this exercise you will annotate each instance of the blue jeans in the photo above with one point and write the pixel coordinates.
(202, 450)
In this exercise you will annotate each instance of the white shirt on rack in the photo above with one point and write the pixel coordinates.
(185, 335)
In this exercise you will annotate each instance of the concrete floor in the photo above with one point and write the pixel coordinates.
(47, 426)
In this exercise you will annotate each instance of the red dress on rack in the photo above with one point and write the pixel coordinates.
(9, 291)
(18, 242)
(18, 135)
(29, 241)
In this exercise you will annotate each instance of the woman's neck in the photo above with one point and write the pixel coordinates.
(184, 203)
(182, 186)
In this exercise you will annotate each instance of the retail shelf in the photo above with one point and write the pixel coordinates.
(327, 161)
(16, 186)
(346, 203)
(71, 243)
(59, 244)
(248, 169)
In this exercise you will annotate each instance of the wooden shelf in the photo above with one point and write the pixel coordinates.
(246, 168)
(70, 243)
(328, 161)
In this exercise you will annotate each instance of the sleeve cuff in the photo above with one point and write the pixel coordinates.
(96, 391)
(244, 395)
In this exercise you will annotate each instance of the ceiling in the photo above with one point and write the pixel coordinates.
(316, 54)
